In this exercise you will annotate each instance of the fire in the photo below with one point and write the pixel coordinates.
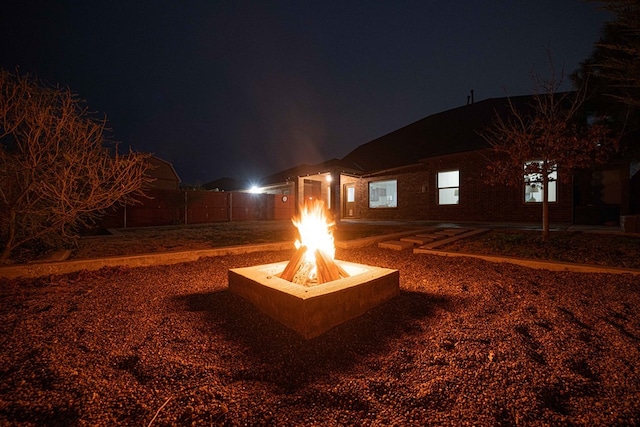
(315, 231)
(313, 262)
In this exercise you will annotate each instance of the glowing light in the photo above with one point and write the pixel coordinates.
(254, 189)
(315, 231)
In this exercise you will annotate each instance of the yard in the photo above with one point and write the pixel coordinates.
(465, 342)
(175, 238)
(614, 250)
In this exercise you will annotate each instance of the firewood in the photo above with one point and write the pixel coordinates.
(326, 266)
(294, 264)
(320, 268)
(342, 271)
(303, 275)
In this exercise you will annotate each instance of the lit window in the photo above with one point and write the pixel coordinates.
(383, 194)
(449, 187)
(351, 194)
(533, 184)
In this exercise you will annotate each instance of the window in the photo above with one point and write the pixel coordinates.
(383, 194)
(533, 184)
(449, 187)
(351, 194)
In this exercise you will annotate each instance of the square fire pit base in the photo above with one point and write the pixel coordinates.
(313, 310)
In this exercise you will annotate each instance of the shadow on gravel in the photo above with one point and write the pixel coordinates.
(282, 357)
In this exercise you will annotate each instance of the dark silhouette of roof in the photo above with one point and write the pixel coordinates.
(448, 132)
(452, 131)
(226, 184)
(306, 169)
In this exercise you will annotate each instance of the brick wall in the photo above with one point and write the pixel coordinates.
(412, 188)
(479, 201)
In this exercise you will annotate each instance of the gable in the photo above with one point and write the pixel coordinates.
(163, 174)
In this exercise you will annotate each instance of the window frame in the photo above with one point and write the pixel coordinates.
(528, 183)
(394, 200)
(449, 187)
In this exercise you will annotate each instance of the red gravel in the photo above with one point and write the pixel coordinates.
(466, 342)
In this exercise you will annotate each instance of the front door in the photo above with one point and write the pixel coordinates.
(349, 200)
(312, 190)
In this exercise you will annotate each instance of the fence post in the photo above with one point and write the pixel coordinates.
(230, 206)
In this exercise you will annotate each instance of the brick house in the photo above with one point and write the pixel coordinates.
(435, 169)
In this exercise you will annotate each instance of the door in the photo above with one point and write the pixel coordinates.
(312, 190)
(349, 200)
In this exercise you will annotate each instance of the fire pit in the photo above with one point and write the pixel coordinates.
(312, 292)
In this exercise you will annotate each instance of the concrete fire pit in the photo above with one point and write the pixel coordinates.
(313, 310)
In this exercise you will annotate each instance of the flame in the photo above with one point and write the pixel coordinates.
(315, 231)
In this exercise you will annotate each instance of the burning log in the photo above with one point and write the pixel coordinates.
(327, 269)
(342, 271)
(305, 275)
(294, 264)
(299, 271)
(313, 262)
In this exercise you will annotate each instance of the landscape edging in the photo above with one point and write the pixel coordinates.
(33, 270)
(536, 264)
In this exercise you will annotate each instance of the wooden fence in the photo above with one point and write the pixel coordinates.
(173, 207)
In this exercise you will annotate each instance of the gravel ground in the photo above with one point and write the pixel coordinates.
(466, 342)
(207, 236)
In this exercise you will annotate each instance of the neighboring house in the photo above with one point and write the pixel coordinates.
(163, 175)
(435, 169)
(224, 184)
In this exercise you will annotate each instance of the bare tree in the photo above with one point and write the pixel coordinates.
(612, 71)
(549, 137)
(615, 59)
(57, 173)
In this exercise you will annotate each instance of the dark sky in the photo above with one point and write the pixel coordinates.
(248, 88)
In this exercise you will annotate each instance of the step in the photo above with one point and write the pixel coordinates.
(432, 236)
(446, 233)
(396, 245)
(443, 242)
(456, 231)
(417, 240)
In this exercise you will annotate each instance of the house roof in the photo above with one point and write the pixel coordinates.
(226, 184)
(448, 132)
(332, 165)
(162, 169)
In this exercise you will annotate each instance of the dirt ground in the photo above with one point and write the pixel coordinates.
(466, 342)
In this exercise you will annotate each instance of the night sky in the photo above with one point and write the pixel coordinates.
(244, 89)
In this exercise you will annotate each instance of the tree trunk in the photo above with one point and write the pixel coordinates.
(6, 251)
(4, 257)
(545, 204)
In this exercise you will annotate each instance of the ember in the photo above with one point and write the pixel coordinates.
(313, 262)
